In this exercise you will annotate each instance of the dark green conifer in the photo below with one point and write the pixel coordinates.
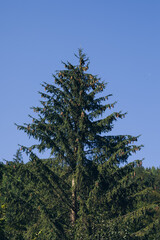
(69, 125)
(82, 188)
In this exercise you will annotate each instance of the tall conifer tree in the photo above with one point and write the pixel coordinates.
(87, 157)
(69, 124)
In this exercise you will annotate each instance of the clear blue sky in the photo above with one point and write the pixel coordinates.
(122, 40)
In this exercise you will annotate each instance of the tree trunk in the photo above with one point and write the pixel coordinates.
(74, 203)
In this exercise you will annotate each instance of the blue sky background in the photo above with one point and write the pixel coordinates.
(122, 40)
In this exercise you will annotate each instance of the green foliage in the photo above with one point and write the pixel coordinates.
(33, 201)
(2, 206)
(82, 191)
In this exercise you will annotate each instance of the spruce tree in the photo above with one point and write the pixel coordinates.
(69, 124)
(85, 169)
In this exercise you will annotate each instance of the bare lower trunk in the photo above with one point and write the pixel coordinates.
(74, 200)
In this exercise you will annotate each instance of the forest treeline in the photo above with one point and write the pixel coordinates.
(36, 204)
(86, 189)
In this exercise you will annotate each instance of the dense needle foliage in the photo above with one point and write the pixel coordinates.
(85, 189)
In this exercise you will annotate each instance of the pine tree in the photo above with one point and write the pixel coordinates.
(85, 158)
(68, 125)
(18, 157)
